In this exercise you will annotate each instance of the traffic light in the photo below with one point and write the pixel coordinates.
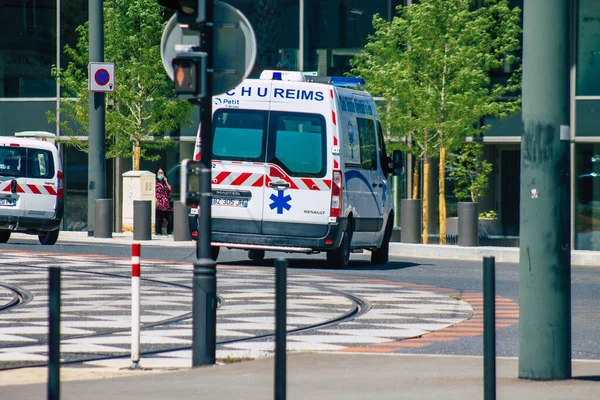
(189, 75)
(189, 12)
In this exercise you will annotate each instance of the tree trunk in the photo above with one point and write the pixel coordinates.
(442, 186)
(136, 155)
(415, 181)
(426, 165)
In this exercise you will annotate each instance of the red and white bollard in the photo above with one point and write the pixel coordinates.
(135, 305)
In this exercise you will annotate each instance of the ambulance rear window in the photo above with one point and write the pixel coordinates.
(298, 143)
(239, 135)
(23, 162)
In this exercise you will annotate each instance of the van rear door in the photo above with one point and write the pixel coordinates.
(298, 190)
(41, 185)
(238, 169)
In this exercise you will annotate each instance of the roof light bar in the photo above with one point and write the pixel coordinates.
(336, 80)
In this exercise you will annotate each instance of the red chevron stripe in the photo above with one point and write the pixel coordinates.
(221, 177)
(241, 179)
(34, 189)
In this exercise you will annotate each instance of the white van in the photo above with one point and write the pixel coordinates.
(299, 165)
(31, 189)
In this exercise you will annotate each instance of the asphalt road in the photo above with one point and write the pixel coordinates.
(457, 275)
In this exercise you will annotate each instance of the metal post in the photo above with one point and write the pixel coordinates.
(280, 327)
(135, 304)
(97, 151)
(54, 333)
(489, 328)
(204, 312)
(545, 270)
(301, 35)
(204, 303)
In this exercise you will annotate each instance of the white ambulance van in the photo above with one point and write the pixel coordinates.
(299, 165)
(31, 189)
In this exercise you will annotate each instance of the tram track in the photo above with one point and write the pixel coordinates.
(358, 306)
(20, 297)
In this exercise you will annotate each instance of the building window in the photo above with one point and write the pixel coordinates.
(587, 196)
(588, 48)
(28, 48)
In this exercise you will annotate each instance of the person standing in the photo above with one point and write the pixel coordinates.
(164, 205)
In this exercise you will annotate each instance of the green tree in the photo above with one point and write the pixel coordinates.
(432, 63)
(469, 172)
(140, 110)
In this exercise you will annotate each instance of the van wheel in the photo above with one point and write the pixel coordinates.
(48, 238)
(340, 257)
(382, 254)
(4, 236)
(214, 252)
(256, 255)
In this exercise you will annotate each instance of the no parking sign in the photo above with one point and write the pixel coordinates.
(101, 77)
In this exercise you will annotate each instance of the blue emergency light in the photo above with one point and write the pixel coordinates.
(336, 80)
(344, 81)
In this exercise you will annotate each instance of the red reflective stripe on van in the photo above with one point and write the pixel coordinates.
(333, 117)
(20, 189)
(335, 141)
(310, 184)
(221, 176)
(336, 164)
(50, 190)
(34, 189)
(327, 182)
(259, 182)
(241, 179)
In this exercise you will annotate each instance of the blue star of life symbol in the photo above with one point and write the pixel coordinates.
(280, 202)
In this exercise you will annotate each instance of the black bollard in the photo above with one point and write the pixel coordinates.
(142, 220)
(54, 333)
(103, 218)
(280, 327)
(204, 312)
(468, 224)
(410, 220)
(489, 328)
(181, 224)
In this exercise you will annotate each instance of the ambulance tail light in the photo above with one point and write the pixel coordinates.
(60, 192)
(336, 194)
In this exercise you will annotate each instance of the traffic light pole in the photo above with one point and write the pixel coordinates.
(96, 149)
(545, 269)
(204, 286)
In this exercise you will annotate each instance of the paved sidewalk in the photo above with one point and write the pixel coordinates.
(433, 251)
(322, 376)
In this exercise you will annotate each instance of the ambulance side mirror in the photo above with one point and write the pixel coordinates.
(397, 162)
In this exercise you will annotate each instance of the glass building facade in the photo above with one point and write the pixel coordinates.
(33, 33)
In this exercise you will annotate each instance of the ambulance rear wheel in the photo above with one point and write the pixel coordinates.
(340, 257)
(256, 255)
(382, 254)
(48, 238)
(4, 236)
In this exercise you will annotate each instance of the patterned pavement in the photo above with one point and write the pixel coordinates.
(96, 316)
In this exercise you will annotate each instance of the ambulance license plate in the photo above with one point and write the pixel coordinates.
(8, 202)
(225, 201)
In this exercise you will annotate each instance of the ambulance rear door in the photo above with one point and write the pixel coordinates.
(240, 126)
(297, 197)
